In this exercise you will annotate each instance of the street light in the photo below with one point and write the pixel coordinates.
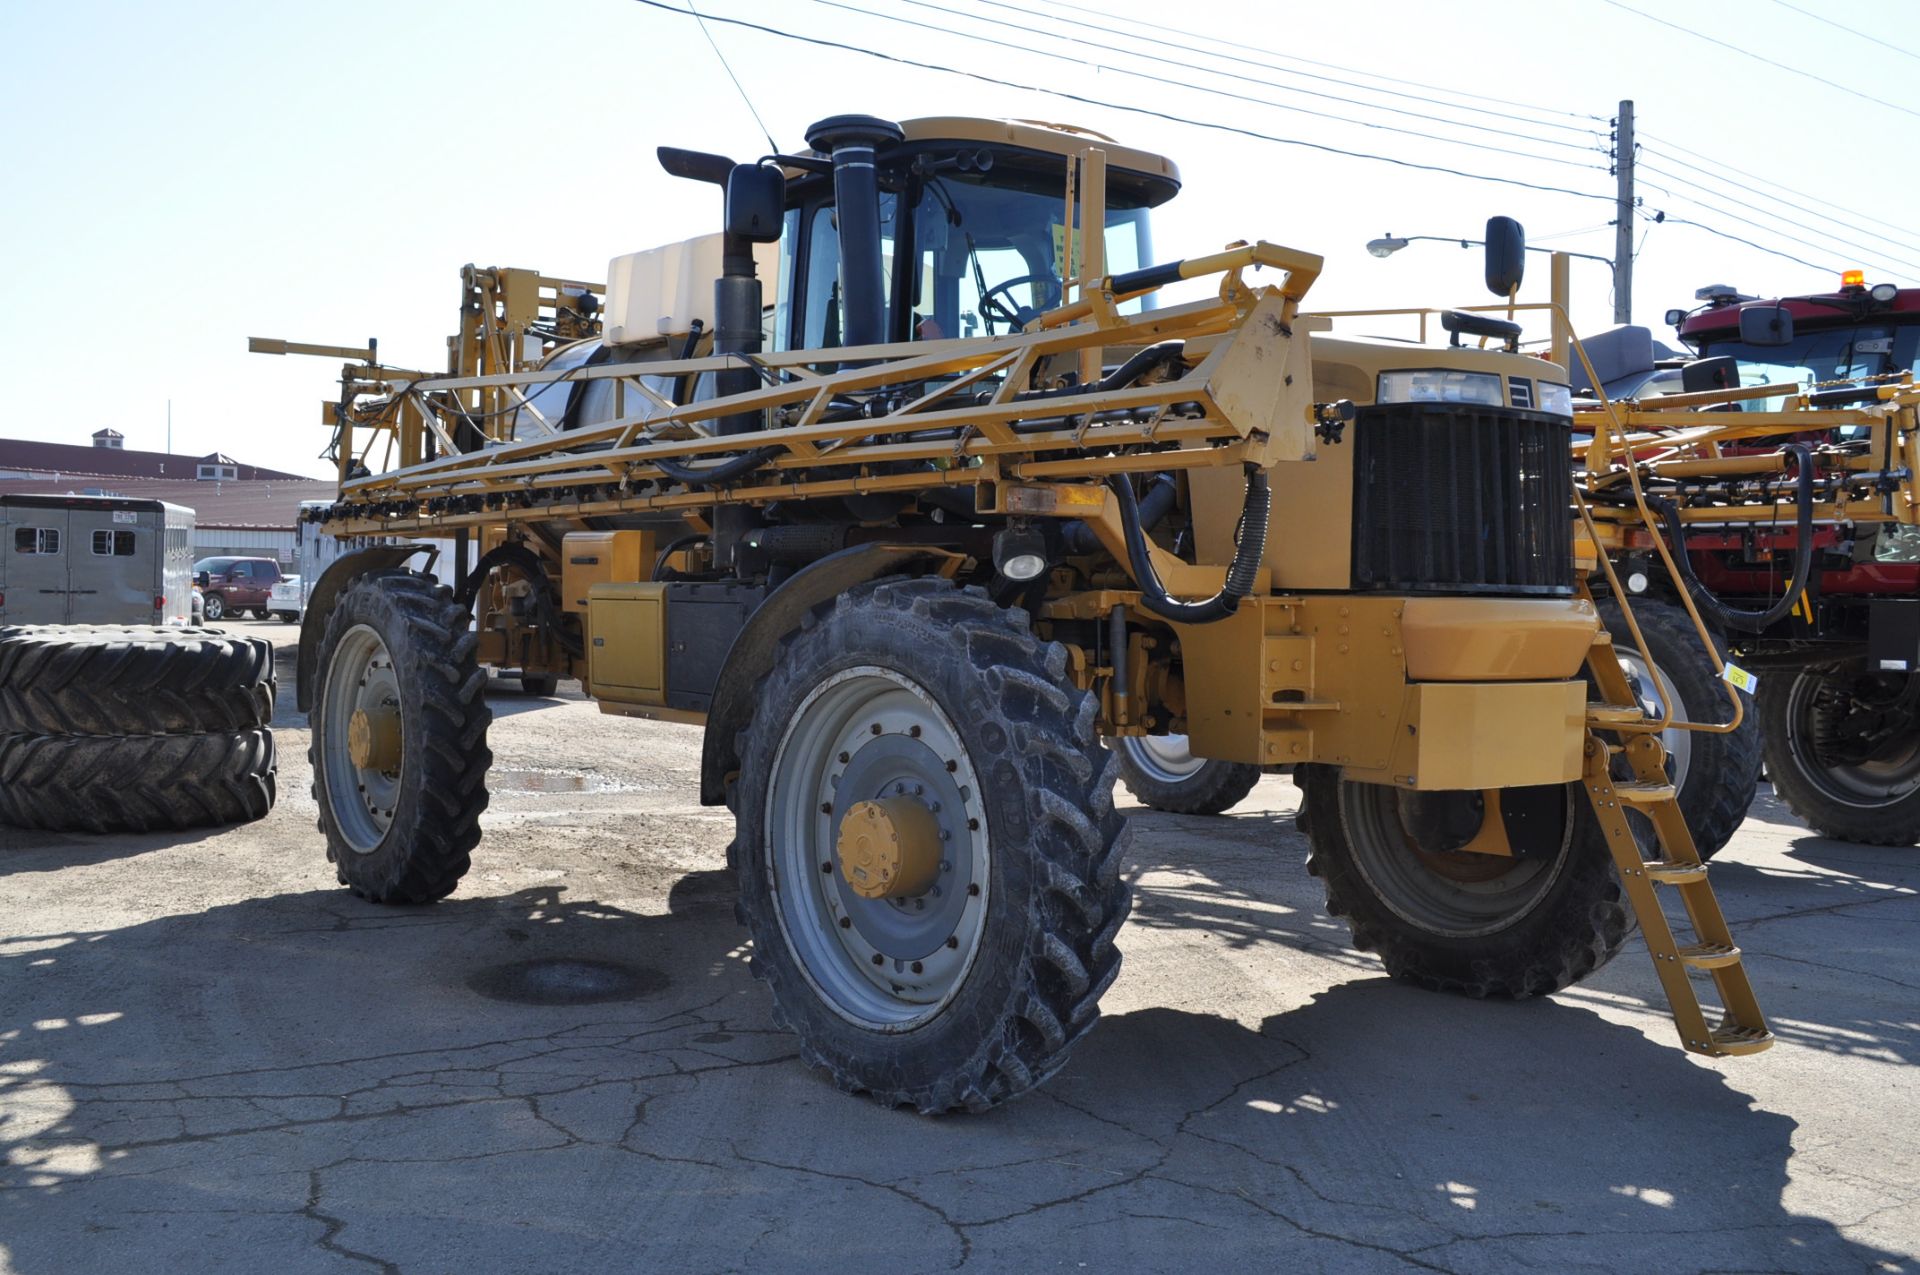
(1390, 243)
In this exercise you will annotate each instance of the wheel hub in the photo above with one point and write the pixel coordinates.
(889, 849)
(373, 738)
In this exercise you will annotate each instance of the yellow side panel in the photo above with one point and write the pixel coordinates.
(626, 642)
(588, 558)
(1491, 735)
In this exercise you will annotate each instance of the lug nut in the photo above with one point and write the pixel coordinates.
(845, 758)
(846, 923)
(952, 942)
(826, 807)
(827, 868)
(973, 890)
(916, 967)
(878, 959)
(973, 825)
(915, 732)
(952, 766)
(875, 728)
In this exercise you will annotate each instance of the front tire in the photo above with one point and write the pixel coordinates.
(1842, 747)
(1162, 772)
(970, 988)
(1714, 775)
(214, 607)
(399, 747)
(1448, 920)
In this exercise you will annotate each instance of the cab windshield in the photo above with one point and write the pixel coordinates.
(966, 254)
(1819, 357)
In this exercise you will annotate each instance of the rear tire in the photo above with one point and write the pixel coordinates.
(135, 783)
(539, 683)
(108, 680)
(1715, 774)
(1481, 925)
(1843, 750)
(918, 690)
(1164, 775)
(398, 648)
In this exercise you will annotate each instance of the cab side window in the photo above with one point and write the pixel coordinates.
(36, 540)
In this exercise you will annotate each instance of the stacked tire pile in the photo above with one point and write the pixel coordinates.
(134, 728)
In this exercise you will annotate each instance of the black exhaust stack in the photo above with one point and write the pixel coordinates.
(852, 140)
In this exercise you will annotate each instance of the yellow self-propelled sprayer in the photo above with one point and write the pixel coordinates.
(960, 503)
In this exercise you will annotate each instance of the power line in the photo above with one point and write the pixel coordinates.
(1872, 234)
(1722, 164)
(771, 144)
(1701, 35)
(1105, 17)
(1821, 17)
(1348, 85)
(1785, 256)
(820, 42)
(1833, 240)
(1216, 92)
(1745, 221)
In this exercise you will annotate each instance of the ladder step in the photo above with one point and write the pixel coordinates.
(1710, 956)
(1662, 873)
(1615, 714)
(1644, 794)
(1740, 1040)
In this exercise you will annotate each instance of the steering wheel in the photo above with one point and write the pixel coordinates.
(1011, 311)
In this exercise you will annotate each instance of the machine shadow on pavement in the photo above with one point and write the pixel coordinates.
(535, 1081)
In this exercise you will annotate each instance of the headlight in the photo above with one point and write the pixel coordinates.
(1557, 399)
(1441, 385)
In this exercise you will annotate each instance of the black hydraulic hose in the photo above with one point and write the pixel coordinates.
(1734, 617)
(1154, 508)
(1241, 575)
(739, 467)
(528, 564)
(1141, 363)
(672, 547)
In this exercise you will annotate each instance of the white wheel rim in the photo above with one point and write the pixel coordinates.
(1654, 693)
(1167, 759)
(359, 676)
(925, 952)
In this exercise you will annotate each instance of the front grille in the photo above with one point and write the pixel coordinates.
(1450, 498)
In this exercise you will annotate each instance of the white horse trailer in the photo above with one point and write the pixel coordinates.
(95, 560)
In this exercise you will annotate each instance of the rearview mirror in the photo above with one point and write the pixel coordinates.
(756, 202)
(1766, 325)
(1506, 256)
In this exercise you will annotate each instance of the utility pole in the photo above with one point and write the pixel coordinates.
(1623, 215)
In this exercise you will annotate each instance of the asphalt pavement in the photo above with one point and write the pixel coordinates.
(213, 1058)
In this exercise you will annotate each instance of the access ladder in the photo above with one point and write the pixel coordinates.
(1742, 1029)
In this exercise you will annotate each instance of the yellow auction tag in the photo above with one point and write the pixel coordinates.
(1739, 677)
(1060, 253)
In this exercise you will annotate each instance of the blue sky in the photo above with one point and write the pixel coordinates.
(181, 177)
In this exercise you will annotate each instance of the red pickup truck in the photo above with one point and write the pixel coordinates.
(235, 585)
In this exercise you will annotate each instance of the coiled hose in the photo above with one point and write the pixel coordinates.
(1734, 617)
(1242, 574)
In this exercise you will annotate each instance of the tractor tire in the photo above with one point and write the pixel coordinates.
(133, 680)
(1477, 924)
(541, 684)
(399, 747)
(1715, 775)
(1160, 772)
(135, 783)
(1843, 750)
(969, 986)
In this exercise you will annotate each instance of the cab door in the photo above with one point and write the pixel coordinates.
(37, 587)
